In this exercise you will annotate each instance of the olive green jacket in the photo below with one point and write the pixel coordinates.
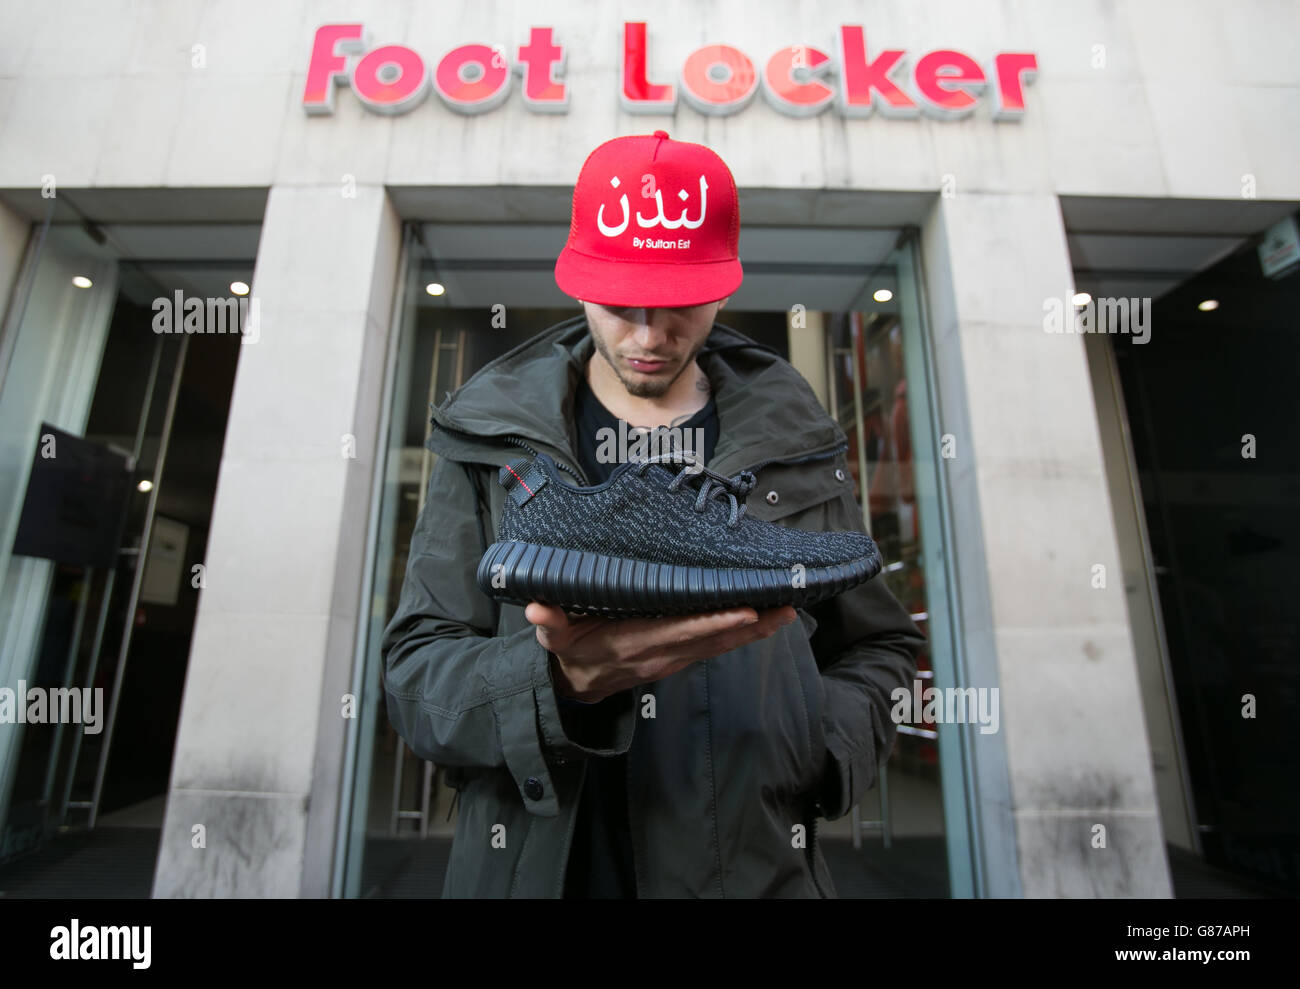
(730, 760)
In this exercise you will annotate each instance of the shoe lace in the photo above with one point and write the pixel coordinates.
(712, 484)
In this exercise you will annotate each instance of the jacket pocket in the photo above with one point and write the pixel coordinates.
(786, 490)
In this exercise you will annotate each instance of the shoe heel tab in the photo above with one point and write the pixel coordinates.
(523, 478)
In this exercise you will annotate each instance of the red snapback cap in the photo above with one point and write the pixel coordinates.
(656, 223)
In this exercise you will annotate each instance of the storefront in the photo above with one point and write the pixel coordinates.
(240, 265)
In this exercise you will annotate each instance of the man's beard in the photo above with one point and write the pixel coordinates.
(654, 388)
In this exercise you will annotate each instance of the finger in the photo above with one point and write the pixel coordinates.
(759, 626)
(783, 615)
(659, 633)
(556, 629)
(710, 646)
(546, 616)
(665, 664)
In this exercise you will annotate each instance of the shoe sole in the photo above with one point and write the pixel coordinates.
(592, 584)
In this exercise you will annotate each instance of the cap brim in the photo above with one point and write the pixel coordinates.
(652, 284)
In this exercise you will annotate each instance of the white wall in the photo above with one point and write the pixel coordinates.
(1193, 96)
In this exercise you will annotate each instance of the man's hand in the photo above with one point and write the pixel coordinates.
(596, 657)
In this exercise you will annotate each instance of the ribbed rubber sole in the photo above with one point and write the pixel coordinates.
(588, 583)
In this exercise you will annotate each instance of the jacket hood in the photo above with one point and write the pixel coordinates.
(766, 410)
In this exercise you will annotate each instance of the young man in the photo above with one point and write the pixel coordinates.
(665, 757)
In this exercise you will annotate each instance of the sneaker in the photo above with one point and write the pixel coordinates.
(661, 536)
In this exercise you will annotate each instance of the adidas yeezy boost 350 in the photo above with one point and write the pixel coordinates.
(661, 536)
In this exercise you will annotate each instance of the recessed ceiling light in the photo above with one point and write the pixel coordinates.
(1208, 305)
(1081, 298)
(81, 281)
(239, 288)
(435, 288)
(145, 485)
(882, 295)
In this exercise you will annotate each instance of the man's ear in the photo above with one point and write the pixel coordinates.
(724, 302)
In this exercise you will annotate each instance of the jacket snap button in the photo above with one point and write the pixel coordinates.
(533, 788)
(839, 474)
(773, 497)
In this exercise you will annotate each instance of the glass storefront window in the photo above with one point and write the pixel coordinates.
(879, 391)
(57, 338)
(111, 433)
(869, 398)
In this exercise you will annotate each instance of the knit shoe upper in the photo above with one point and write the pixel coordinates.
(667, 510)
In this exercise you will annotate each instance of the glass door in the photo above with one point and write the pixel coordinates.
(112, 420)
(880, 391)
(54, 339)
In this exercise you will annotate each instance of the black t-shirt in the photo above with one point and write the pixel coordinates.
(600, 858)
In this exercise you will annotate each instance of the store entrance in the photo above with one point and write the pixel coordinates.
(114, 415)
(1197, 413)
(1214, 423)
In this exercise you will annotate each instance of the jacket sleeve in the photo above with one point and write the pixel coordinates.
(866, 646)
(458, 694)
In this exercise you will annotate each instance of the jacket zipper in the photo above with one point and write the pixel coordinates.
(812, 849)
(516, 441)
(631, 811)
(824, 455)
(568, 835)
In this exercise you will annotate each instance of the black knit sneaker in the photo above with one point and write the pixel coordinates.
(661, 536)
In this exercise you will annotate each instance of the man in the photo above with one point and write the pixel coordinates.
(667, 757)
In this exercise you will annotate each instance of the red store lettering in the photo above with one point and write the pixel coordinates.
(716, 79)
